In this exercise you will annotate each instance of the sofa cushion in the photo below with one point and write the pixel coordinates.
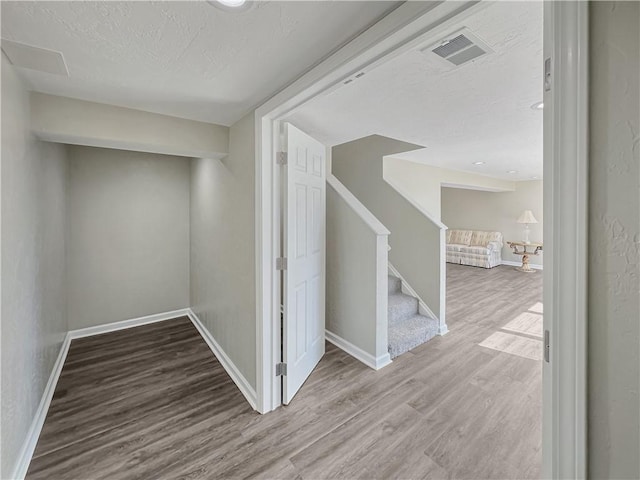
(476, 250)
(482, 239)
(454, 247)
(460, 237)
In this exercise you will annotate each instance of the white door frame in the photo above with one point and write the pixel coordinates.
(564, 422)
(566, 180)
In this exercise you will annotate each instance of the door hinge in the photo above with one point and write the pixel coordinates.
(281, 158)
(281, 263)
(281, 369)
(547, 74)
(547, 346)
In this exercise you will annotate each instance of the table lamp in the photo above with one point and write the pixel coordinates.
(527, 218)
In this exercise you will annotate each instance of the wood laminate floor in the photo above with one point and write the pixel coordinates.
(152, 402)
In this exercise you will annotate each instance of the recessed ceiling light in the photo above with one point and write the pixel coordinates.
(537, 106)
(512, 171)
(478, 163)
(232, 5)
(534, 178)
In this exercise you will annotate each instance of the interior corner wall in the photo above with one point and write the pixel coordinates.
(614, 247)
(33, 298)
(128, 235)
(223, 291)
(421, 183)
(496, 211)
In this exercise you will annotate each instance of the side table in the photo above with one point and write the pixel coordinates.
(525, 249)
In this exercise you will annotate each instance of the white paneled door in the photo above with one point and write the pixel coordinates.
(304, 249)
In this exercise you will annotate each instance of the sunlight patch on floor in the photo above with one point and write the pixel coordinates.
(536, 308)
(527, 323)
(514, 344)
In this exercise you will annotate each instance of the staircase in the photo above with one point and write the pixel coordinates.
(407, 328)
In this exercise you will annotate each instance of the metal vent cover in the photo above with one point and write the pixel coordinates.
(458, 48)
(449, 47)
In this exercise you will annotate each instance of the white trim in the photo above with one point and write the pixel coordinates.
(357, 353)
(356, 205)
(535, 266)
(566, 116)
(130, 323)
(408, 26)
(226, 362)
(29, 445)
(423, 308)
(461, 186)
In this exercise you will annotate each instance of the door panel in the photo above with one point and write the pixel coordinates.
(304, 248)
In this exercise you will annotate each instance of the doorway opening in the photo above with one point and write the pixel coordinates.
(411, 28)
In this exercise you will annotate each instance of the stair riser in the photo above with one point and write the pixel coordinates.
(395, 285)
(410, 333)
(396, 349)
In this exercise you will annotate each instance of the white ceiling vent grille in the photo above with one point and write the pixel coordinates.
(459, 48)
(35, 58)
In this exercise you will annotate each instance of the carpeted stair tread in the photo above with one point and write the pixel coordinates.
(401, 306)
(408, 333)
(407, 328)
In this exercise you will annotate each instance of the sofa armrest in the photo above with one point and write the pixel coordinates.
(494, 246)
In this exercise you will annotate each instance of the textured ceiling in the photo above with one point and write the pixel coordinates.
(185, 58)
(477, 112)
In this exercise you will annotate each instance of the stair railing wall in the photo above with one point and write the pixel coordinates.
(417, 240)
(357, 282)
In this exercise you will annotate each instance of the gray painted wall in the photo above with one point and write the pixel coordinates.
(33, 298)
(496, 211)
(422, 183)
(78, 122)
(614, 257)
(356, 282)
(414, 240)
(223, 292)
(128, 235)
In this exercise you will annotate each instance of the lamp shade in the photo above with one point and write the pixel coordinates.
(527, 217)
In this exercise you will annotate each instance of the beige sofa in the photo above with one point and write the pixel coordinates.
(474, 247)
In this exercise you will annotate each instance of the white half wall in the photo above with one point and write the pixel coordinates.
(496, 211)
(78, 122)
(614, 241)
(128, 235)
(357, 290)
(33, 291)
(223, 286)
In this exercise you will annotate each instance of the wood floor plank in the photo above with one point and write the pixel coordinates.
(153, 402)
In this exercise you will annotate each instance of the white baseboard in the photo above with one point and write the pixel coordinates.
(519, 264)
(233, 371)
(357, 353)
(132, 322)
(423, 309)
(29, 445)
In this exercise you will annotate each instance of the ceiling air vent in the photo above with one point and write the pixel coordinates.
(35, 58)
(459, 48)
